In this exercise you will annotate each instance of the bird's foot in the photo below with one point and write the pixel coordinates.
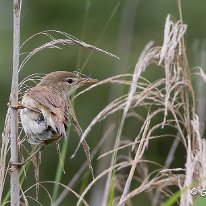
(16, 165)
(18, 106)
(21, 106)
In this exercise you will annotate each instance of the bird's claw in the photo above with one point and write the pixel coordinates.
(14, 166)
(18, 106)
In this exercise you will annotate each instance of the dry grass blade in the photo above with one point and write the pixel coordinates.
(120, 103)
(88, 155)
(120, 166)
(134, 143)
(172, 35)
(4, 152)
(77, 176)
(28, 82)
(112, 107)
(26, 203)
(156, 182)
(201, 73)
(57, 43)
(168, 99)
(142, 145)
(113, 80)
(195, 164)
(167, 164)
(139, 68)
(52, 182)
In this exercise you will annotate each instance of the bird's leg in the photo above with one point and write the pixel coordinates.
(38, 149)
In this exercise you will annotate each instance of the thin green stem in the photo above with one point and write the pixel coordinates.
(59, 166)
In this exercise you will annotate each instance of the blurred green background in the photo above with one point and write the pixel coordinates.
(120, 27)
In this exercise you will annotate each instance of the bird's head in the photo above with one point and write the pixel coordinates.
(65, 81)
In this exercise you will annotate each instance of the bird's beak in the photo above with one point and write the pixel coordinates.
(88, 80)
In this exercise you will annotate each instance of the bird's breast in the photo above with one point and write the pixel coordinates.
(34, 123)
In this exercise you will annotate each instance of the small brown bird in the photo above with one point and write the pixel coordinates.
(46, 108)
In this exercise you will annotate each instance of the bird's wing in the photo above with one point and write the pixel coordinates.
(53, 107)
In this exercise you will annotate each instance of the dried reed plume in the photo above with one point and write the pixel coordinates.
(172, 96)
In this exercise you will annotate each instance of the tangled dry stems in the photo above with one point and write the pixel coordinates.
(174, 97)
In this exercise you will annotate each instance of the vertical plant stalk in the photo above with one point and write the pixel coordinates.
(14, 181)
(140, 66)
(129, 10)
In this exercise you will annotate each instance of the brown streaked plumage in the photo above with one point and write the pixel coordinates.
(47, 109)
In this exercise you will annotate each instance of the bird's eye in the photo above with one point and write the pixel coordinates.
(70, 81)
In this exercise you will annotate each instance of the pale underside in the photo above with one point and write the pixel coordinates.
(45, 122)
